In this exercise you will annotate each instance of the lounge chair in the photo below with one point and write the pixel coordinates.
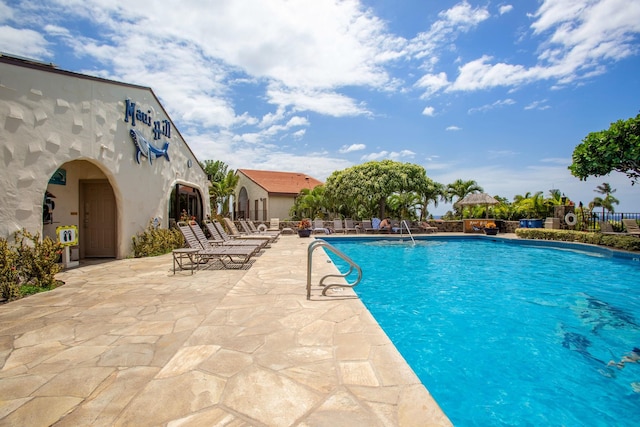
(230, 256)
(247, 231)
(349, 225)
(607, 228)
(427, 228)
(264, 230)
(337, 226)
(318, 227)
(367, 226)
(234, 233)
(225, 240)
(632, 226)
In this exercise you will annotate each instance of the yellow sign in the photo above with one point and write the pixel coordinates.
(67, 235)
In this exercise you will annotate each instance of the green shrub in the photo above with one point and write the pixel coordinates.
(156, 241)
(628, 243)
(29, 266)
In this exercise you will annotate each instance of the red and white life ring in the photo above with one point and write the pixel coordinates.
(571, 218)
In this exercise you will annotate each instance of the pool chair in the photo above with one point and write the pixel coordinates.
(274, 225)
(262, 229)
(235, 234)
(607, 228)
(337, 226)
(632, 227)
(319, 228)
(247, 231)
(427, 228)
(225, 240)
(229, 257)
(349, 226)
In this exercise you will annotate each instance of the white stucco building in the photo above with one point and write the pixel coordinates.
(103, 154)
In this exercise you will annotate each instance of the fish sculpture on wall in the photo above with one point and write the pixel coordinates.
(146, 148)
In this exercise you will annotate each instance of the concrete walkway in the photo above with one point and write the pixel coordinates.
(127, 343)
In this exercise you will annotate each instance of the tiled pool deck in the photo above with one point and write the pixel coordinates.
(127, 343)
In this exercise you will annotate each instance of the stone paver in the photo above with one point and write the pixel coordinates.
(126, 343)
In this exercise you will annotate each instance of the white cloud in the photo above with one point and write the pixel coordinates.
(497, 104)
(392, 155)
(506, 8)
(322, 102)
(352, 148)
(432, 83)
(23, 42)
(577, 39)
(537, 105)
(428, 111)
(453, 128)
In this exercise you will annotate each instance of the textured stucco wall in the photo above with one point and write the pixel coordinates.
(48, 119)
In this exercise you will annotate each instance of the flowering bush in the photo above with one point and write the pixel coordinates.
(304, 224)
(490, 225)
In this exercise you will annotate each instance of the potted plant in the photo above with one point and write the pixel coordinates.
(490, 228)
(304, 228)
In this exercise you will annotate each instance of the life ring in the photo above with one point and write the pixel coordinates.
(571, 218)
(262, 228)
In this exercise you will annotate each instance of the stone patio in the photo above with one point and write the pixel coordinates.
(126, 342)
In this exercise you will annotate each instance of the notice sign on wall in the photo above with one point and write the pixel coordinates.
(67, 235)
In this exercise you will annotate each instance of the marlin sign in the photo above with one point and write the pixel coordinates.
(144, 147)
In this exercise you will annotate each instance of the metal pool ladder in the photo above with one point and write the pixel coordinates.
(404, 222)
(352, 265)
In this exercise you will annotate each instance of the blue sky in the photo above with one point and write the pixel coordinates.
(498, 92)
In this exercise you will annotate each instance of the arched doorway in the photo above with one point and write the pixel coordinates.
(185, 198)
(80, 194)
(243, 204)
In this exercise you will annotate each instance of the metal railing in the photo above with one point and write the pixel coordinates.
(404, 222)
(352, 265)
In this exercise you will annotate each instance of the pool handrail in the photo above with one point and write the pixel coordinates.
(352, 265)
(404, 221)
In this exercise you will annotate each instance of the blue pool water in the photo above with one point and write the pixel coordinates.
(503, 334)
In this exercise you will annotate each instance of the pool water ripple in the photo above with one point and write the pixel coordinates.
(504, 334)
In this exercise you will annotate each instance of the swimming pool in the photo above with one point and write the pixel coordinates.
(509, 334)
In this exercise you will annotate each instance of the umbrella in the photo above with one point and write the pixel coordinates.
(477, 199)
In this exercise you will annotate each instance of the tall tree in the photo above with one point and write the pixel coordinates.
(459, 189)
(608, 201)
(224, 190)
(614, 149)
(217, 172)
(433, 192)
(372, 183)
(309, 203)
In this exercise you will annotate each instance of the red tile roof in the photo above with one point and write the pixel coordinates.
(281, 182)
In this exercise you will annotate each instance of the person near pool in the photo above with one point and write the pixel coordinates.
(385, 225)
(632, 357)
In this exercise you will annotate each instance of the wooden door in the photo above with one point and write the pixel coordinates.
(98, 221)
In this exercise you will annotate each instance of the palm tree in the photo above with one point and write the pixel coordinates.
(309, 203)
(433, 192)
(216, 172)
(224, 189)
(460, 189)
(608, 201)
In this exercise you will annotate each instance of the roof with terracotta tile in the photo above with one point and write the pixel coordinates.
(280, 182)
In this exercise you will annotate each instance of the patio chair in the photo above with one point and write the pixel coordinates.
(318, 227)
(230, 257)
(235, 234)
(349, 225)
(274, 225)
(607, 228)
(427, 228)
(337, 226)
(367, 226)
(632, 227)
(225, 240)
(247, 231)
(262, 229)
